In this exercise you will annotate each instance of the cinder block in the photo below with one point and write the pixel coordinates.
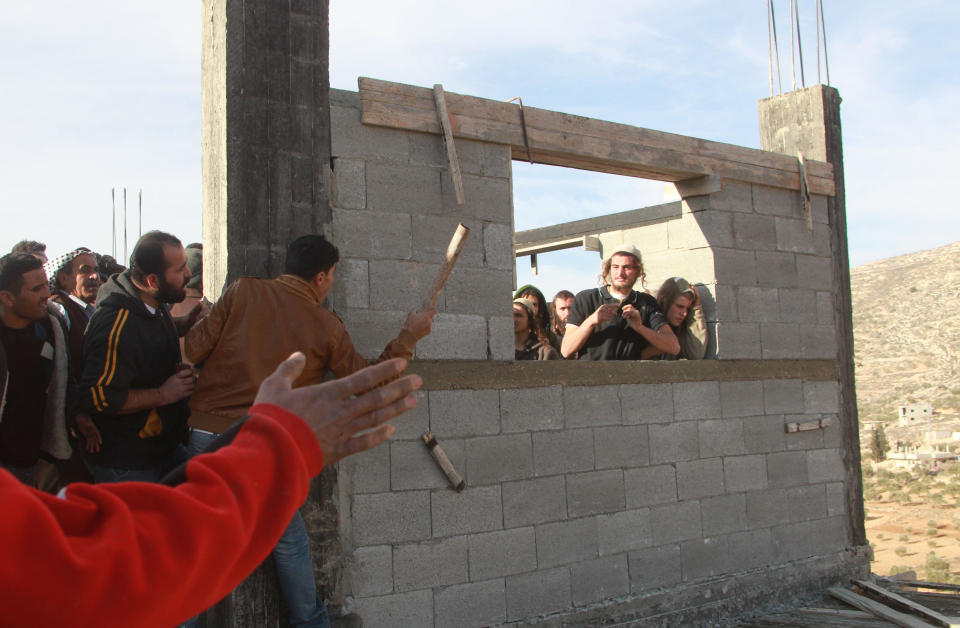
(704, 557)
(411, 425)
(740, 399)
(600, 579)
(825, 308)
(531, 409)
(370, 330)
(793, 236)
(776, 269)
(595, 492)
(767, 508)
(400, 609)
(497, 160)
(798, 306)
(534, 501)
(624, 531)
(825, 465)
(764, 434)
(498, 246)
(674, 442)
(723, 514)
(455, 413)
(479, 509)
(686, 233)
(430, 564)
(411, 466)
(487, 198)
(563, 452)
(369, 471)
(651, 238)
(758, 305)
(818, 209)
(493, 459)
(650, 485)
(814, 272)
(750, 549)
(391, 517)
(502, 553)
(696, 400)
(399, 285)
(738, 341)
(352, 287)
(794, 541)
(566, 542)
(646, 403)
(780, 340)
(431, 237)
(755, 232)
(775, 201)
(745, 473)
(500, 338)
(810, 439)
(734, 196)
(475, 604)
(537, 593)
(721, 437)
(836, 500)
(807, 502)
(371, 572)
(833, 435)
(455, 337)
(621, 446)
(822, 243)
(478, 291)
(735, 268)
(783, 396)
(587, 406)
(413, 190)
(787, 468)
(654, 567)
(427, 150)
(675, 522)
(470, 156)
(818, 342)
(350, 138)
(700, 478)
(350, 183)
(726, 303)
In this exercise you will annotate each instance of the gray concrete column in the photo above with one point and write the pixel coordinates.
(808, 121)
(266, 133)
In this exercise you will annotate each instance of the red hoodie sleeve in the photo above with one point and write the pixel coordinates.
(141, 554)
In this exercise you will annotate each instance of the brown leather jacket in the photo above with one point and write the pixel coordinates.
(257, 324)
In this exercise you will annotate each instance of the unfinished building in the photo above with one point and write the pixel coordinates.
(661, 493)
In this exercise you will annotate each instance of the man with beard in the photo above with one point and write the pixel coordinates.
(133, 383)
(614, 321)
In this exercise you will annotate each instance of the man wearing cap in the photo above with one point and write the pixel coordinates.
(614, 321)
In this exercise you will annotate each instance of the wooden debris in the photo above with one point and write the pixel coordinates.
(809, 425)
(877, 609)
(932, 616)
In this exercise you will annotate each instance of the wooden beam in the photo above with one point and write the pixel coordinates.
(577, 142)
(930, 615)
(448, 142)
(877, 609)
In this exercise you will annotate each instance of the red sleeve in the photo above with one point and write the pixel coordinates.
(151, 555)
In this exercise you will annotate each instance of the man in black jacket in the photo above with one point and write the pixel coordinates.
(133, 383)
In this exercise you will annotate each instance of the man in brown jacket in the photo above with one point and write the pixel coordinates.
(254, 326)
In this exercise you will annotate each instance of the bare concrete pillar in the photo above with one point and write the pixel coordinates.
(808, 121)
(266, 133)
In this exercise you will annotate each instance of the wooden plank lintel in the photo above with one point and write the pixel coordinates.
(574, 141)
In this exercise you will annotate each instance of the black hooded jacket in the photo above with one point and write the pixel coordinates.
(126, 347)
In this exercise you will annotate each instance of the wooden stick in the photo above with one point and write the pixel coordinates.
(440, 457)
(448, 142)
(454, 249)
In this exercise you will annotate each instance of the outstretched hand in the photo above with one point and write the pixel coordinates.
(343, 425)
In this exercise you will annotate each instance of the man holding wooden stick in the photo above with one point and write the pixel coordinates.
(254, 326)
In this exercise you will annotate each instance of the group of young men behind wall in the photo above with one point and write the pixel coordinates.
(612, 321)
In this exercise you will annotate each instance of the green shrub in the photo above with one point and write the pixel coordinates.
(937, 569)
(900, 551)
(932, 532)
(895, 569)
(904, 538)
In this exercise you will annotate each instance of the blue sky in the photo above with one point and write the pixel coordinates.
(106, 93)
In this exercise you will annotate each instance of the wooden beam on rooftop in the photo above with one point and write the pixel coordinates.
(567, 140)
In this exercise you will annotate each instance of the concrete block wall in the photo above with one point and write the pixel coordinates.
(394, 212)
(585, 496)
(767, 276)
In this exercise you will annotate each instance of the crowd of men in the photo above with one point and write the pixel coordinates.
(613, 321)
(111, 374)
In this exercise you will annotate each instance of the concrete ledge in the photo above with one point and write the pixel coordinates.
(483, 375)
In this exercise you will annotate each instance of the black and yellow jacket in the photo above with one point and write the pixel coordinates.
(126, 347)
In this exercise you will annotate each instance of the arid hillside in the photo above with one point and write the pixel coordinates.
(907, 333)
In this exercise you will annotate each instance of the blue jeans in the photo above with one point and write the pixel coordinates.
(109, 475)
(292, 557)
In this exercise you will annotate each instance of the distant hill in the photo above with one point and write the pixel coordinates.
(906, 328)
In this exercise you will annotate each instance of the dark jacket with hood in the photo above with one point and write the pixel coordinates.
(126, 347)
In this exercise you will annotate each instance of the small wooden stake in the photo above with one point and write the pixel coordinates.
(454, 249)
(448, 142)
